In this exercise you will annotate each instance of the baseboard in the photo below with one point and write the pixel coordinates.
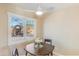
(57, 54)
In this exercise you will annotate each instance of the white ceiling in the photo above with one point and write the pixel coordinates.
(44, 6)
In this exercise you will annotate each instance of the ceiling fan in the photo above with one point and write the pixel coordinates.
(40, 11)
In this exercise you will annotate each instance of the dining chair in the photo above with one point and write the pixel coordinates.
(15, 52)
(49, 41)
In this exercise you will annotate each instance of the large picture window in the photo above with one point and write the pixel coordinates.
(17, 26)
(20, 28)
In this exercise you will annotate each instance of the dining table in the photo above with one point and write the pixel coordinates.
(46, 49)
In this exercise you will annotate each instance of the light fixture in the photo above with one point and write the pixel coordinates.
(39, 11)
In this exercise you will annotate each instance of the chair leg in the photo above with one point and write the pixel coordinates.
(51, 53)
(26, 54)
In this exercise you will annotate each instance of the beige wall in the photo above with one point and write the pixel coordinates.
(3, 26)
(4, 48)
(63, 28)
